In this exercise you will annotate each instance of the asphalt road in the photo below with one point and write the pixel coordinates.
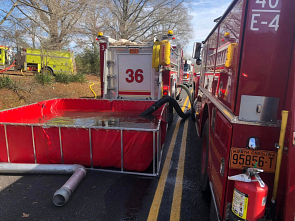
(110, 196)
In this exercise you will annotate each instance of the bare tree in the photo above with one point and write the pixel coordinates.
(54, 24)
(90, 23)
(143, 19)
(56, 18)
(8, 13)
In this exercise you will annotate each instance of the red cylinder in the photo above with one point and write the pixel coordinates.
(249, 200)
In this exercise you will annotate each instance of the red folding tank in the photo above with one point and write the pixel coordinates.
(95, 133)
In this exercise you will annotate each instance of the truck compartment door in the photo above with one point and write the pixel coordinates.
(135, 75)
(221, 131)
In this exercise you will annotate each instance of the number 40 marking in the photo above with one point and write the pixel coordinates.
(263, 2)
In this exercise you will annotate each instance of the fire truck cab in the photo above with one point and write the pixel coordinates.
(246, 81)
(6, 57)
(188, 73)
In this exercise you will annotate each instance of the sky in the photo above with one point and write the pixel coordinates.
(204, 12)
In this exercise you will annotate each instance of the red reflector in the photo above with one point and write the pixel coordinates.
(96, 39)
(165, 87)
(165, 93)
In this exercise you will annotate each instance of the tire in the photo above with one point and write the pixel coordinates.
(204, 158)
(49, 71)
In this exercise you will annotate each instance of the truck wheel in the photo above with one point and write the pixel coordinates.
(204, 158)
(49, 71)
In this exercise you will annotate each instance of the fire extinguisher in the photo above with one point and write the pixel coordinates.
(249, 197)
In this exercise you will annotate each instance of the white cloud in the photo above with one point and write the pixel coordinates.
(204, 12)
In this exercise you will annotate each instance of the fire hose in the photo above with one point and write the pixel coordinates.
(61, 196)
(190, 99)
(162, 101)
(188, 92)
(173, 103)
(6, 69)
(90, 87)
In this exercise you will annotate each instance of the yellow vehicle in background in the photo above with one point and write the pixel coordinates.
(6, 57)
(51, 62)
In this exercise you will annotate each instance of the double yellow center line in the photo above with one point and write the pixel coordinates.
(177, 195)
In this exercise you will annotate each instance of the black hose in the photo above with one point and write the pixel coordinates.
(185, 88)
(162, 101)
(188, 92)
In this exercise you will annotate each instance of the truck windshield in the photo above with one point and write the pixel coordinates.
(187, 67)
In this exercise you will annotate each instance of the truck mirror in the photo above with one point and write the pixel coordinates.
(197, 50)
(198, 61)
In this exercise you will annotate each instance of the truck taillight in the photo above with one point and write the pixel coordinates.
(165, 90)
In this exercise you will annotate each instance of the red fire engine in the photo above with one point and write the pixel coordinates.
(247, 80)
(139, 70)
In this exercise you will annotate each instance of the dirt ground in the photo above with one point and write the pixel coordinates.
(30, 91)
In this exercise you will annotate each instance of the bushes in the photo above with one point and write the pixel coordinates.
(68, 78)
(88, 61)
(6, 82)
(79, 78)
(43, 78)
(61, 78)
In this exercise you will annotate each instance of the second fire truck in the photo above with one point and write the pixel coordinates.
(138, 70)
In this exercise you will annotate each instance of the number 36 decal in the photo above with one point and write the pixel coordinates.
(138, 77)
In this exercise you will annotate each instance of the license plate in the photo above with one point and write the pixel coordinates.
(242, 157)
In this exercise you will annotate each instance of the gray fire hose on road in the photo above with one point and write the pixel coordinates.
(188, 92)
(190, 99)
(61, 196)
